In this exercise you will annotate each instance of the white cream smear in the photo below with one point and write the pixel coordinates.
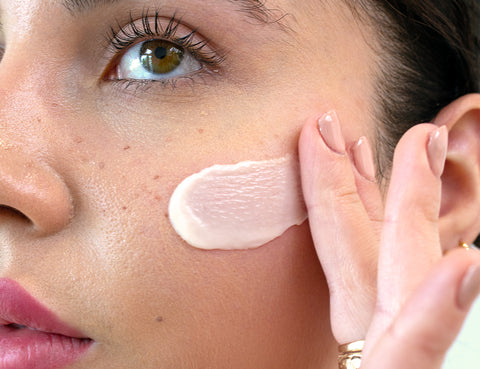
(240, 206)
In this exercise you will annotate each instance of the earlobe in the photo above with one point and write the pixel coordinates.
(460, 210)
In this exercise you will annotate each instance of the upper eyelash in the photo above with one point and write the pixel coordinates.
(129, 35)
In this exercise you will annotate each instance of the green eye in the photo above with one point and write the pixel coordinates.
(160, 56)
(157, 60)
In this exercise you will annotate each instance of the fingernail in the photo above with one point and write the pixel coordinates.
(437, 150)
(331, 132)
(363, 159)
(470, 288)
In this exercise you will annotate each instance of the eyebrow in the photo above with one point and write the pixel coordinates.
(254, 9)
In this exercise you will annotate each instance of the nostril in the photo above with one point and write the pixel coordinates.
(31, 189)
(11, 212)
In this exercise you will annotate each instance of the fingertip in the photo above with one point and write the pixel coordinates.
(437, 150)
(309, 139)
(467, 261)
(445, 296)
(331, 132)
(469, 288)
(363, 159)
(322, 154)
(432, 317)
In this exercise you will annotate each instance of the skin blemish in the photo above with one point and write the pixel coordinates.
(126, 148)
(159, 319)
(201, 130)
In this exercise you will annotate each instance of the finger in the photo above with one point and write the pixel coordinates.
(366, 182)
(410, 239)
(344, 238)
(431, 319)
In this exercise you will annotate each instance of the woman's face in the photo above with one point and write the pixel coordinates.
(90, 157)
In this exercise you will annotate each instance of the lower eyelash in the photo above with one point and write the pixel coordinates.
(136, 86)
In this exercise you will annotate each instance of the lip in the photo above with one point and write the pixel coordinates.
(44, 342)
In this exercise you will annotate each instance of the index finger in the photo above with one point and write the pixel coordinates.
(343, 233)
(410, 243)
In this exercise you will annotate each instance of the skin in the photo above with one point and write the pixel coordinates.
(87, 232)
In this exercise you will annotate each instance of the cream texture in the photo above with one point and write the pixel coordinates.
(240, 206)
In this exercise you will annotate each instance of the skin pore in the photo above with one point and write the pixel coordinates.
(86, 230)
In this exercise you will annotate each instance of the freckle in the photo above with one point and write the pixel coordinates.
(201, 130)
(101, 165)
(124, 208)
(157, 177)
(159, 319)
(126, 148)
(158, 198)
(78, 140)
(165, 215)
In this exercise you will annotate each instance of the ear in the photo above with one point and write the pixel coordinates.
(460, 208)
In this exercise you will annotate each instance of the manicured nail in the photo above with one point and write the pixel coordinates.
(470, 288)
(331, 132)
(363, 159)
(437, 150)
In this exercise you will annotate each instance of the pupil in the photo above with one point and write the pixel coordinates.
(161, 53)
(160, 57)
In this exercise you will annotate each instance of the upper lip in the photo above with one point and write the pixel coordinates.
(18, 307)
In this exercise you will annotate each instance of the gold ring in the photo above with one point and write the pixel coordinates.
(350, 355)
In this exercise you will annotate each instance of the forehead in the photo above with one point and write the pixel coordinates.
(269, 12)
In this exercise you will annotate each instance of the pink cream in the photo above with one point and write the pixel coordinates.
(240, 206)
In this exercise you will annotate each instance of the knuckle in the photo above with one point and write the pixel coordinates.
(346, 194)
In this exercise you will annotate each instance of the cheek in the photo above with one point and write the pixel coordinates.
(265, 298)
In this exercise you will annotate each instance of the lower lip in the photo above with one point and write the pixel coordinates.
(30, 349)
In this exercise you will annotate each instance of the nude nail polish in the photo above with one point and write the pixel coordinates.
(331, 132)
(437, 150)
(363, 159)
(469, 288)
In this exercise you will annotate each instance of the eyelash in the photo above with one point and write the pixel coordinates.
(211, 59)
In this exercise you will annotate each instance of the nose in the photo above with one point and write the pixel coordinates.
(33, 190)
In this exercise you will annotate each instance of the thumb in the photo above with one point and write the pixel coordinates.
(426, 327)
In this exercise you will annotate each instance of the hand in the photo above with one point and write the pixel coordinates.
(389, 282)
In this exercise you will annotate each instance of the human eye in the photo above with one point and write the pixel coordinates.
(153, 49)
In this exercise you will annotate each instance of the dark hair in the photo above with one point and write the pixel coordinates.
(428, 56)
